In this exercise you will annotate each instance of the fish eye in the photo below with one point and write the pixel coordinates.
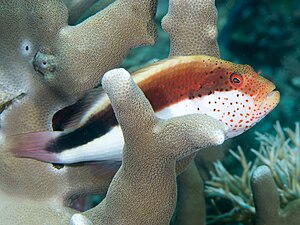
(236, 79)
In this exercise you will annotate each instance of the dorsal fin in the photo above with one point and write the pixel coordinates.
(87, 119)
(85, 110)
(169, 64)
(155, 67)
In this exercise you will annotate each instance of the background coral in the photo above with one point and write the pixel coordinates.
(267, 203)
(266, 36)
(281, 153)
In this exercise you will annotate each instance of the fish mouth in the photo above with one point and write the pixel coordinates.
(271, 100)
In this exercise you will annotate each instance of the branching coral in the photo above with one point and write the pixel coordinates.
(191, 26)
(51, 64)
(190, 207)
(281, 153)
(68, 59)
(235, 189)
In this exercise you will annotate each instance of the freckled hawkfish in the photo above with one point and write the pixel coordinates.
(234, 94)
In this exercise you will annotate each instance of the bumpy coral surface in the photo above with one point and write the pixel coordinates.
(192, 27)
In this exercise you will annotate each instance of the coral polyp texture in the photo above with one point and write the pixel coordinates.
(192, 28)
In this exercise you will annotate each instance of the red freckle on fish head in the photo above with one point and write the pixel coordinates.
(246, 80)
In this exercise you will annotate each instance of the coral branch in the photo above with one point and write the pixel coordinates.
(86, 51)
(190, 201)
(144, 189)
(192, 27)
(266, 200)
(266, 197)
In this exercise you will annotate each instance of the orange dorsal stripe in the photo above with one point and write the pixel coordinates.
(170, 81)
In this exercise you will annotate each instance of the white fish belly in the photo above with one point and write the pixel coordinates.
(106, 147)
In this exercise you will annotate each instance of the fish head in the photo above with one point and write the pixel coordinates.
(237, 96)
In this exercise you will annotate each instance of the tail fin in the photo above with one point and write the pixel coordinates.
(59, 147)
(34, 145)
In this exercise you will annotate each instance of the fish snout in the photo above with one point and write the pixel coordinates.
(273, 98)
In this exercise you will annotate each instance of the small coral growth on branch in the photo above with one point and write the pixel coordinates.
(281, 153)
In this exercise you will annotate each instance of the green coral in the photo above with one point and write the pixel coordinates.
(280, 152)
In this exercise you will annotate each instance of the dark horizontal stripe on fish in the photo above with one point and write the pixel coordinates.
(82, 135)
